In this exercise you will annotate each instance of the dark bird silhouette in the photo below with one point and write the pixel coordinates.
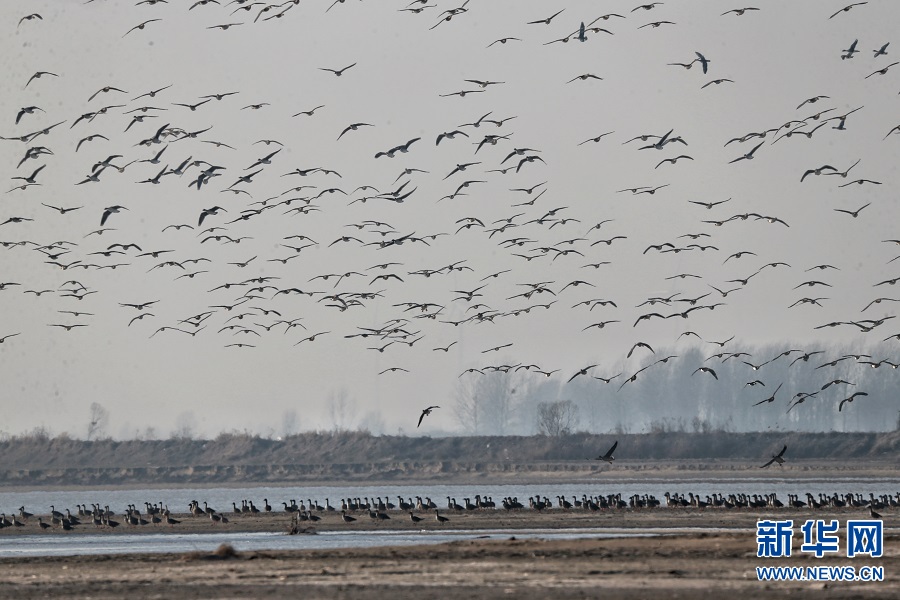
(850, 399)
(337, 72)
(608, 457)
(706, 370)
(770, 398)
(776, 458)
(749, 155)
(425, 412)
(847, 9)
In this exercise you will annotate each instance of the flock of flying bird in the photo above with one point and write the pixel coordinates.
(151, 137)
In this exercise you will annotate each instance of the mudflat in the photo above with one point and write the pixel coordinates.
(704, 563)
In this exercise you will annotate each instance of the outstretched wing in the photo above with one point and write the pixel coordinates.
(609, 452)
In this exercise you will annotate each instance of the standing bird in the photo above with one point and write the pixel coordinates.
(425, 413)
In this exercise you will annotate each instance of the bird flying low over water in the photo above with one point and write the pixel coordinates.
(608, 457)
(776, 458)
(425, 412)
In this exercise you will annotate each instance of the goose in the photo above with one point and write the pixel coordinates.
(706, 370)
(847, 9)
(738, 11)
(850, 399)
(38, 75)
(141, 26)
(770, 398)
(882, 71)
(776, 458)
(608, 457)
(852, 213)
(209, 211)
(337, 72)
(346, 518)
(426, 412)
(849, 52)
(439, 517)
(747, 156)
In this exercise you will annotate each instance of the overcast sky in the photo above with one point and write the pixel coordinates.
(775, 57)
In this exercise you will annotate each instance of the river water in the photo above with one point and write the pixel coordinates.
(94, 543)
(177, 500)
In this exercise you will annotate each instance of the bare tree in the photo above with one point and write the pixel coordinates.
(485, 403)
(185, 424)
(289, 423)
(465, 407)
(340, 410)
(557, 419)
(97, 421)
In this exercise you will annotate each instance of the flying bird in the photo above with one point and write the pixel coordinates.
(776, 458)
(337, 72)
(109, 210)
(425, 412)
(141, 25)
(847, 8)
(608, 457)
(850, 399)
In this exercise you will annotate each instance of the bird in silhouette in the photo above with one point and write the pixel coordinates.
(337, 72)
(425, 412)
(850, 399)
(776, 458)
(547, 20)
(749, 155)
(109, 210)
(849, 52)
(847, 9)
(583, 371)
(608, 457)
(706, 370)
(770, 398)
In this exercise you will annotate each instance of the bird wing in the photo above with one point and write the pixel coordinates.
(611, 450)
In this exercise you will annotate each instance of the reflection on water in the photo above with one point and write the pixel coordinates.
(89, 543)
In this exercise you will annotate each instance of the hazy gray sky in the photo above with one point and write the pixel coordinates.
(776, 57)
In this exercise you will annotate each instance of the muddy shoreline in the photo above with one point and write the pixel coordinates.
(701, 565)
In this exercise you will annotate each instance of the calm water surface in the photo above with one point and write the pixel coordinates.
(93, 543)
